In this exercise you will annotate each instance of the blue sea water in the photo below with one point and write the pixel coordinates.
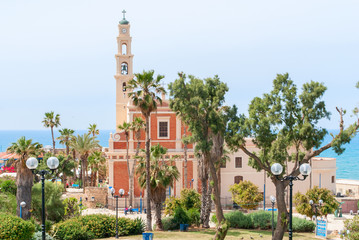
(347, 163)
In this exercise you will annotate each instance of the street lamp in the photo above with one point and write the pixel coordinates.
(273, 200)
(22, 205)
(305, 170)
(190, 183)
(52, 163)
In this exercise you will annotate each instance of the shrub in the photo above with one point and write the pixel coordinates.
(54, 207)
(38, 236)
(97, 226)
(189, 199)
(353, 226)
(246, 195)
(8, 203)
(236, 219)
(72, 208)
(261, 219)
(169, 224)
(8, 186)
(180, 216)
(194, 216)
(71, 230)
(15, 228)
(302, 225)
(315, 194)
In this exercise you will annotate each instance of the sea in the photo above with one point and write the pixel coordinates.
(347, 163)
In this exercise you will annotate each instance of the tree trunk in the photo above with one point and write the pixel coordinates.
(206, 198)
(132, 189)
(282, 217)
(129, 172)
(64, 180)
(214, 157)
(83, 168)
(148, 188)
(24, 182)
(222, 228)
(185, 158)
(74, 157)
(53, 140)
(159, 224)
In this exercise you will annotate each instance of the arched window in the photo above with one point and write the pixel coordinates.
(238, 179)
(124, 49)
(124, 87)
(124, 68)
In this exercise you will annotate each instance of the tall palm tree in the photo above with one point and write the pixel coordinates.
(50, 121)
(162, 176)
(24, 177)
(65, 138)
(84, 146)
(144, 88)
(96, 159)
(126, 128)
(93, 130)
(137, 126)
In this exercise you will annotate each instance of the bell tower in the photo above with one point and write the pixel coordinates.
(124, 69)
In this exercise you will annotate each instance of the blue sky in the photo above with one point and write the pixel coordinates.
(59, 55)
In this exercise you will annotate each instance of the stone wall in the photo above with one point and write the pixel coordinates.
(93, 196)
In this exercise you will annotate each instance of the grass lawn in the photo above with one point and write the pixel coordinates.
(195, 234)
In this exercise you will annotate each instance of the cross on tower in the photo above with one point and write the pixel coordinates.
(124, 12)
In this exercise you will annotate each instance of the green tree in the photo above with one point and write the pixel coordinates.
(189, 199)
(93, 130)
(246, 194)
(50, 121)
(84, 146)
(54, 206)
(65, 138)
(330, 204)
(162, 176)
(284, 126)
(201, 105)
(144, 89)
(24, 177)
(72, 208)
(96, 160)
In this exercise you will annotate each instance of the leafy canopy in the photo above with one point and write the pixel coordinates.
(246, 194)
(315, 194)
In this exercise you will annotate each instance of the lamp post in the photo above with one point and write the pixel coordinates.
(116, 197)
(272, 199)
(52, 163)
(190, 183)
(22, 205)
(277, 170)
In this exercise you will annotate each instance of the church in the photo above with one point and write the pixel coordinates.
(166, 129)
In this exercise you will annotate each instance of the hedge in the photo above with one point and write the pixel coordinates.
(96, 226)
(262, 220)
(15, 228)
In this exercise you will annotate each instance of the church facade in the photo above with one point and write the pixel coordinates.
(166, 129)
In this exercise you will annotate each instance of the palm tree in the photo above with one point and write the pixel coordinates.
(143, 94)
(24, 177)
(65, 138)
(93, 130)
(84, 146)
(137, 126)
(95, 160)
(126, 128)
(50, 121)
(162, 176)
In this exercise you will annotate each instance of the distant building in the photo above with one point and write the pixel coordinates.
(167, 130)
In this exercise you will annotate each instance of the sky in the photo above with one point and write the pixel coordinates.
(59, 55)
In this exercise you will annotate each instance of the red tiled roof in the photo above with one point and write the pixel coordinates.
(6, 155)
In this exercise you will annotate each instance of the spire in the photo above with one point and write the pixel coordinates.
(124, 21)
